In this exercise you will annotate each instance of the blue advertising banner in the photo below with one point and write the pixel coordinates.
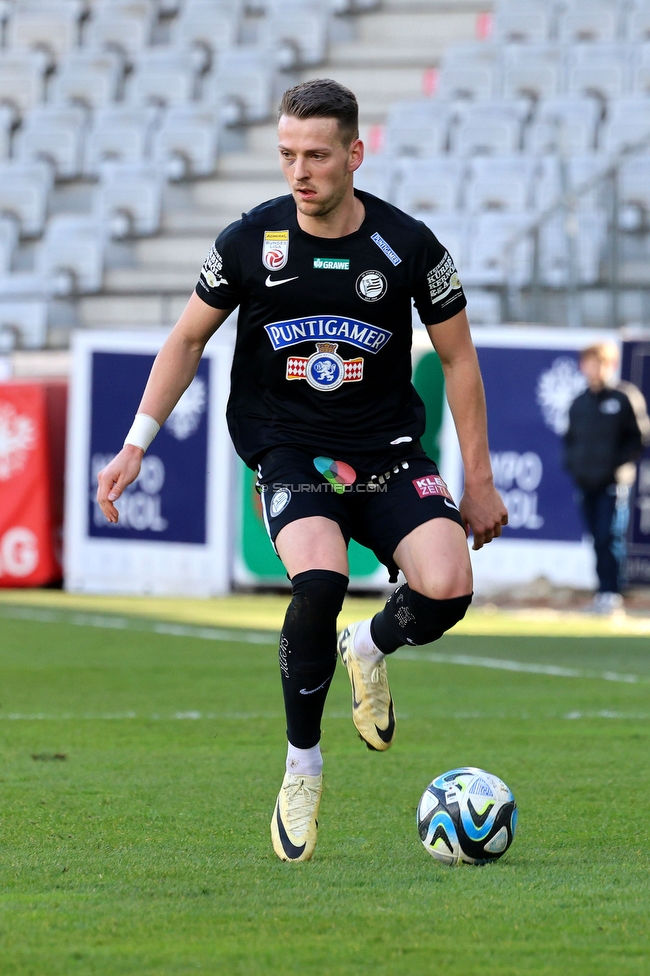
(167, 503)
(635, 368)
(529, 392)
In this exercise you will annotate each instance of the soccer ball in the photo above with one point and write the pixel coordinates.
(467, 816)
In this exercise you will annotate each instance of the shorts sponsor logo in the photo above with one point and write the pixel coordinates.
(431, 484)
(279, 501)
(211, 270)
(332, 264)
(339, 474)
(443, 280)
(360, 334)
(275, 249)
(371, 286)
(324, 369)
(394, 259)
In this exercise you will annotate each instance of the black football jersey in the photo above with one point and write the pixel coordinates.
(323, 350)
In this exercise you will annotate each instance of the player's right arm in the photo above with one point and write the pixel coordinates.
(172, 372)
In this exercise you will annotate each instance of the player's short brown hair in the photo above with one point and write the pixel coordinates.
(323, 98)
(604, 352)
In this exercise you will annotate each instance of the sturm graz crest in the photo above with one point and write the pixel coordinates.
(324, 369)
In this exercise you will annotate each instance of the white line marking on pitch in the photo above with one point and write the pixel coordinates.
(265, 637)
(524, 667)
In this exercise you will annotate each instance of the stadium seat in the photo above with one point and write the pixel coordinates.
(8, 242)
(470, 71)
(500, 183)
(122, 25)
(208, 26)
(641, 72)
(483, 307)
(627, 125)
(492, 128)
(53, 133)
(161, 77)
(49, 25)
(22, 79)
(431, 184)
(419, 128)
(521, 22)
(121, 133)
(634, 184)
(24, 193)
(26, 320)
(554, 251)
(377, 175)
(453, 232)
(187, 143)
(90, 78)
(532, 71)
(584, 179)
(602, 70)
(500, 250)
(74, 245)
(590, 20)
(296, 32)
(638, 22)
(7, 119)
(129, 197)
(243, 84)
(564, 125)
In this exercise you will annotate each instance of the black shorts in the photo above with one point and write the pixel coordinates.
(375, 508)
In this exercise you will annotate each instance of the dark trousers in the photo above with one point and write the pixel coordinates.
(598, 509)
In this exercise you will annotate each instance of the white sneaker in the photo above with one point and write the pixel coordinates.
(604, 604)
(294, 825)
(372, 705)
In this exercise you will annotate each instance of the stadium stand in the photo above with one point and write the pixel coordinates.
(522, 137)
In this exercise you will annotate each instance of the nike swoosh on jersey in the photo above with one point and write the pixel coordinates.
(289, 849)
(450, 505)
(282, 281)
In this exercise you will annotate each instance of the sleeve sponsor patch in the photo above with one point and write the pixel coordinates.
(443, 280)
(211, 270)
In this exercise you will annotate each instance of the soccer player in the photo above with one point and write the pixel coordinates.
(322, 406)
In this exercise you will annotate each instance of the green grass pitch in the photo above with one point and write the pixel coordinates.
(146, 850)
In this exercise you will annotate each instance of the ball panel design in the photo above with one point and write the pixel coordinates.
(467, 815)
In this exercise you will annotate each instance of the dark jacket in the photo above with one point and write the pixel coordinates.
(603, 435)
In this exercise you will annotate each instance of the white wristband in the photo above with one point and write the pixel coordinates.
(143, 430)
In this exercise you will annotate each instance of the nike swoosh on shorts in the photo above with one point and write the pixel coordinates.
(282, 281)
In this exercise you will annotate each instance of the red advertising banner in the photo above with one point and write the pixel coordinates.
(32, 459)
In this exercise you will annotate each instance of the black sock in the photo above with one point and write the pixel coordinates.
(411, 618)
(308, 651)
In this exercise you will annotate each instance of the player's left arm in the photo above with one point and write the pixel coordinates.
(481, 506)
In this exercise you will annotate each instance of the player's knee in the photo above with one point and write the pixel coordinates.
(456, 582)
(435, 616)
(412, 618)
(309, 631)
